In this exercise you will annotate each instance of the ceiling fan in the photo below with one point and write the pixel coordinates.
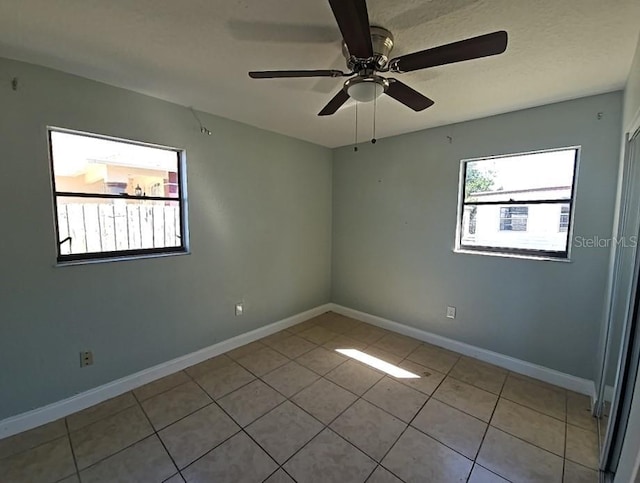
(367, 48)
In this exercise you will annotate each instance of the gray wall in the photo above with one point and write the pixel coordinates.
(260, 218)
(260, 212)
(394, 221)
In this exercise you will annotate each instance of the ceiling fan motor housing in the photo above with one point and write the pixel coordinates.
(382, 42)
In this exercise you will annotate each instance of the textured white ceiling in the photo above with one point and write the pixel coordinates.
(198, 52)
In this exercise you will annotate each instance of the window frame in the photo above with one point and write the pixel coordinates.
(554, 255)
(132, 254)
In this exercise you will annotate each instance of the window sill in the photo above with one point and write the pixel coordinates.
(71, 263)
(512, 255)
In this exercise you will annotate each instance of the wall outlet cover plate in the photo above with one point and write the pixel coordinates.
(86, 358)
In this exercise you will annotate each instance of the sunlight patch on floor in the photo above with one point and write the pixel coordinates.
(379, 364)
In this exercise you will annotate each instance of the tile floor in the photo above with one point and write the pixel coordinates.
(291, 408)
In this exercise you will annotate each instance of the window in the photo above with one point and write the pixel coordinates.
(116, 198)
(514, 218)
(519, 204)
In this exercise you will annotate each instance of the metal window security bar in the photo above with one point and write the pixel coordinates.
(514, 214)
(104, 225)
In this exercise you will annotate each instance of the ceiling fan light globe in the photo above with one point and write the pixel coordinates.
(365, 91)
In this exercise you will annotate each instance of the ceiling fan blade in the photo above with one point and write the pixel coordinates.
(401, 92)
(473, 48)
(353, 21)
(279, 74)
(335, 103)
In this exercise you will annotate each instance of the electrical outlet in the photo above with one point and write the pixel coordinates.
(451, 312)
(239, 308)
(86, 358)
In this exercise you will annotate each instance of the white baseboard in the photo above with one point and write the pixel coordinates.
(51, 412)
(557, 378)
(60, 409)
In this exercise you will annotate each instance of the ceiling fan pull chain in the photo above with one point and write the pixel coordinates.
(355, 144)
(375, 104)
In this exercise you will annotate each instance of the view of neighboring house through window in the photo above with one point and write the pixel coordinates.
(564, 218)
(518, 204)
(115, 198)
(472, 220)
(514, 218)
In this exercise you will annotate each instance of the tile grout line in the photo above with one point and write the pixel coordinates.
(186, 415)
(290, 359)
(73, 453)
(139, 403)
(272, 474)
(233, 361)
(299, 390)
(164, 391)
(415, 415)
(475, 459)
(535, 410)
(241, 430)
(189, 378)
(344, 438)
(181, 417)
(491, 471)
(499, 396)
(534, 445)
(325, 426)
(260, 378)
(155, 432)
(565, 422)
(566, 434)
(255, 376)
(129, 445)
(385, 410)
(41, 443)
(376, 466)
(339, 436)
(429, 396)
(102, 419)
(288, 474)
(322, 375)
